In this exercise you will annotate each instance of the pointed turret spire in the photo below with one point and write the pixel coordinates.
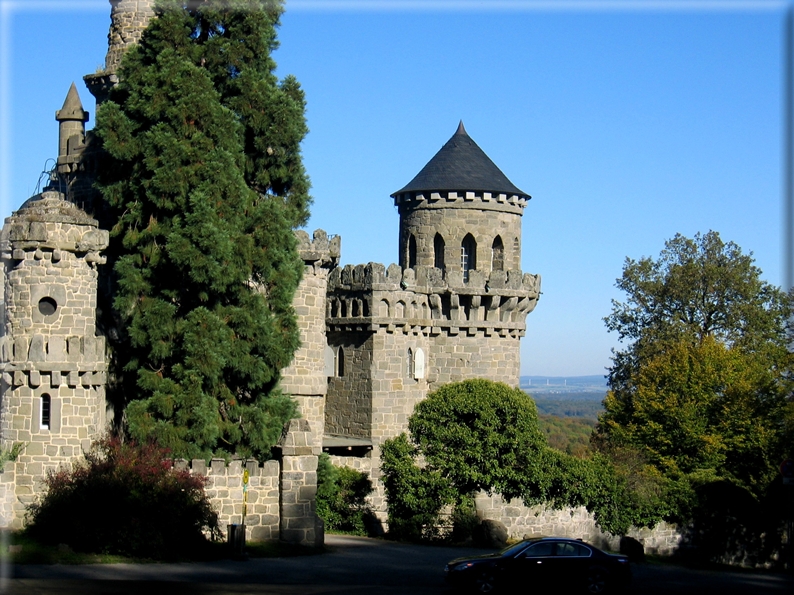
(461, 165)
(71, 126)
(72, 107)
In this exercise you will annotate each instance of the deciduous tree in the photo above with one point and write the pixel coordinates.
(701, 387)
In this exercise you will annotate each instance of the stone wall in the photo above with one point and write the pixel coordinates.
(225, 490)
(575, 523)
(474, 355)
(348, 405)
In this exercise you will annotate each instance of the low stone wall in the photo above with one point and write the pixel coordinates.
(225, 490)
(576, 523)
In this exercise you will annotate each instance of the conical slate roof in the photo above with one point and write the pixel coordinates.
(72, 107)
(461, 165)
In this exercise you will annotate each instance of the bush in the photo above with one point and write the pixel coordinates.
(341, 497)
(125, 499)
(414, 495)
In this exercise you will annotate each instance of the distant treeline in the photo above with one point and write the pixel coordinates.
(568, 419)
(597, 395)
(568, 434)
(586, 409)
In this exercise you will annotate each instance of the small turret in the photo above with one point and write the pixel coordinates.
(71, 131)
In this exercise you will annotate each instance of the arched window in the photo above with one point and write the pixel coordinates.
(45, 412)
(411, 252)
(468, 256)
(438, 252)
(497, 255)
(340, 362)
(409, 364)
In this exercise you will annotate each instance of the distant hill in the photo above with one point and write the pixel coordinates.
(565, 387)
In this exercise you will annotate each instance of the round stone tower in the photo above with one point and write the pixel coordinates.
(128, 20)
(52, 362)
(461, 213)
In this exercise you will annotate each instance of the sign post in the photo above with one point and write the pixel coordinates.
(245, 495)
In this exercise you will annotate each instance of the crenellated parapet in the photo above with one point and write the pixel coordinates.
(428, 301)
(319, 251)
(48, 228)
(484, 201)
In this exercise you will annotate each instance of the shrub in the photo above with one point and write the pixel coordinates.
(341, 497)
(414, 495)
(126, 499)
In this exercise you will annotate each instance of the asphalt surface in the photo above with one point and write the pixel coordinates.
(352, 566)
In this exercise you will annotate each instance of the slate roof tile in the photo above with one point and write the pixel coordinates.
(461, 165)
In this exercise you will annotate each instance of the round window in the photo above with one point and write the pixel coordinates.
(47, 306)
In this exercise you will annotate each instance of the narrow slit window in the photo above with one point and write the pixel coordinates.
(497, 255)
(409, 363)
(411, 252)
(438, 252)
(45, 412)
(340, 362)
(468, 256)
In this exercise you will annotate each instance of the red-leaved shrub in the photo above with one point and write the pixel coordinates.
(128, 499)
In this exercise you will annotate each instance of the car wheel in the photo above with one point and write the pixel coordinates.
(485, 582)
(596, 581)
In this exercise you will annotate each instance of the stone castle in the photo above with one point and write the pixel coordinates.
(375, 339)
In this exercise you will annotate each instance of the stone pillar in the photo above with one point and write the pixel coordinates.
(299, 524)
(306, 378)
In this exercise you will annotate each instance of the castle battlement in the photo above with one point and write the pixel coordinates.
(422, 279)
(425, 300)
(486, 201)
(46, 226)
(320, 249)
(52, 352)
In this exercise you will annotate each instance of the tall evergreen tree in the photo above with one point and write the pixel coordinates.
(205, 184)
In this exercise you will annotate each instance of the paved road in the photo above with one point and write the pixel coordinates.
(354, 566)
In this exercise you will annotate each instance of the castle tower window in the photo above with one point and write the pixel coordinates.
(497, 255)
(411, 251)
(438, 252)
(340, 362)
(45, 412)
(47, 306)
(468, 256)
(409, 364)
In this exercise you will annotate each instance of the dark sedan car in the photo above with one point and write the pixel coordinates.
(554, 561)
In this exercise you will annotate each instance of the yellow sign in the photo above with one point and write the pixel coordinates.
(245, 477)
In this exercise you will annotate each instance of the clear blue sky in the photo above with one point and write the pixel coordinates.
(626, 125)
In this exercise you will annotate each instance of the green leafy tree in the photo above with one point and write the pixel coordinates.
(481, 435)
(204, 184)
(701, 388)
